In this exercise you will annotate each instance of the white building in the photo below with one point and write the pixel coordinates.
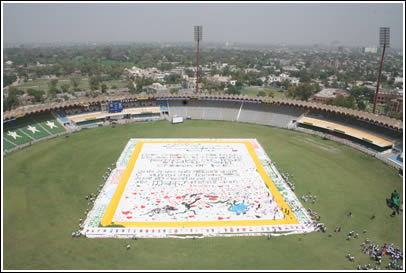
(290, 68)
(371, 49)
(232, 82)
(283, 76)
(220, 79)
(398, 79)
(294, 80)
(273, 78)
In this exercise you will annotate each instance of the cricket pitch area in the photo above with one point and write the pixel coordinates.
(187, 188)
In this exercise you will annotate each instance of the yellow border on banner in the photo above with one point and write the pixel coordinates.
(107, 219)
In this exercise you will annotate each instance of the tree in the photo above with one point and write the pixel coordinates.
(9, 79)
(75, 83)
(53, 83)
(350, 102)
(103, 88)
(286, 84)
(12, 90)
(271, 93)
(304, 91)
(165, 66)
(238, 85)
(85, 68)
(361, 105)
(291, 93)
(256, 82)
(304, 76)
(388, 103)
(317, 87)
(396, 115)
(173, 78)
(37, 94)
(189, 73)
(174, 91)
(11, 102)
(261, 94)
(340, 100)
(52, 92)
(233, 90)
(68, 67)
(106, 53)
(132, 89)
(65, 87)
(115, 71)
(94, 83)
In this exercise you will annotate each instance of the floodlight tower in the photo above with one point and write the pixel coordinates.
(384, 35)
(198, 38)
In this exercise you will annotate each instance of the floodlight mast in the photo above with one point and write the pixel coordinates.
(384, 35)
(198, 38)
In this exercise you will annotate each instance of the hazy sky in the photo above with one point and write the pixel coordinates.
(293, 23)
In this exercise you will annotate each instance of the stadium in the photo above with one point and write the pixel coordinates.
(338, 165)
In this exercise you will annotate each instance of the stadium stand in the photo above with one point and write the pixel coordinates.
(249, 113)
(348, 132)
(7, 144)
(49, 123)
(283, 115)
(62, 116)
(228, 110)
(264, 110)
(163, 104)
(177, 108)
(356, 123)
(26, 129)
(17, 131)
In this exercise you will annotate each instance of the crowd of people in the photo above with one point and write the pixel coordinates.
(91, 198)
(377, 253)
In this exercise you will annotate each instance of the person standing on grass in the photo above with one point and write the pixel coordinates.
(396, 203)
(395, 194)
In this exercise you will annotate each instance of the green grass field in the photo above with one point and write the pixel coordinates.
(42, 84)
(254, 91)
(45, 185)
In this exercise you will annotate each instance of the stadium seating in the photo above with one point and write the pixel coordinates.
(356, 124)
(7, 145)
(267, 114)
(62, 116)
(163, 105)
(17, 131)
(47, 121)
(25, 129)
(37, 126)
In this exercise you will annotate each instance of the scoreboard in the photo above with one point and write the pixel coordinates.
(115, 106)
